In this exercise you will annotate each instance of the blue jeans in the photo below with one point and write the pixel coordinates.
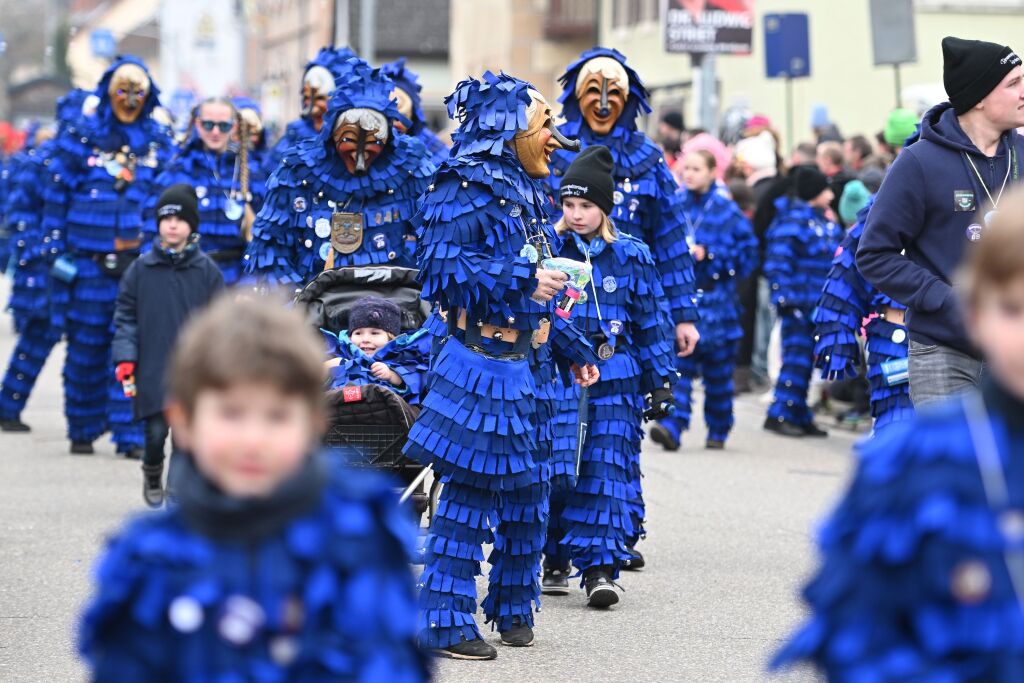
(937, 372)
(763, 324)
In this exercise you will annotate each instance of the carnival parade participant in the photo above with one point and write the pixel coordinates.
(407, 92)
(318, 83)
(848, 303)
(921, 560)
(801, 243)
(483, 235)
(102, 171)
(345, 197)
(722, 243)
(602, 98)
(33, 254)
(212, 161)
(276, 562)
(632, 331)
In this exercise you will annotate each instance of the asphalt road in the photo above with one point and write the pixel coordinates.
(728, 548)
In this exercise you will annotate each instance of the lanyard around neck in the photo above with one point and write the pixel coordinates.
(1012, 162)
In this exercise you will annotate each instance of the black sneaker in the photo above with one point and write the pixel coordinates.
(82, 448)
(811, 429)
(601, 591)
(520, 635)
(783, 427)
(661, 435)
(14, 425)
(555, 582)
(714, 445)
(152, 485)
(467, 649)
(635, 562)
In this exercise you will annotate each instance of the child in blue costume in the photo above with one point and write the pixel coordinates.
(33, 254)
(627, 320)
(725, 248)
(602, 98)
(800, 244)
(318, 82)
(276, 564)
(209, 161)
(483, 229)
(103, 169)
(846, 300)
(407, 91)
(921, 573)
(345, 197)
(374, 351)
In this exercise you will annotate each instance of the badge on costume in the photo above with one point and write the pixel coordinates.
(615, 327)
(963, 200)
(529, 252)
(299, 204)
(516, 211)
(605, 351)
(634, 204)
(233, 210)
(325, 251)
(378, 241)
(618, 197)
(200, 191)
(609, 284)
(322, 227)
(346, 231)
(974, 232)
(899, 336)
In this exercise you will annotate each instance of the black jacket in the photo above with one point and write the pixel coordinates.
(158, 292)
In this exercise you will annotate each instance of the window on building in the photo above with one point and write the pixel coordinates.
(626, 13)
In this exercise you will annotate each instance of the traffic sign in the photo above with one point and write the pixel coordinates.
(787, 49)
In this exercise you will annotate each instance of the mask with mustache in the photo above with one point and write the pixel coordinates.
(359, 138)
(602, 89)
(317, 86)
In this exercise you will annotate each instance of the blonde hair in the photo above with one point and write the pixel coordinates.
(606, 231)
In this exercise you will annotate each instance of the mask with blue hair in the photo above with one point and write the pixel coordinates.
(319, 80)
(128, 90)
(601, 91)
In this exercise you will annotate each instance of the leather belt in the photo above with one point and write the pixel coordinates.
(506, 334)
(896, 316)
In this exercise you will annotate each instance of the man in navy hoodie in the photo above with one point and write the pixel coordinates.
(934, 204)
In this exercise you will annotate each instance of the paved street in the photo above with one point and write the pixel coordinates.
(727, 550)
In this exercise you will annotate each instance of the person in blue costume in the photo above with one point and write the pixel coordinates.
(103, 169)
(846, 300)
(483, 231)
(921, 572)
(407, 92)
(602, 98)
(725, 249)
(209, 160)
(319, 80)
(32, 257)
(628, 321)
(346, 197)
(373, 350)
(278, 563)
(801, 243)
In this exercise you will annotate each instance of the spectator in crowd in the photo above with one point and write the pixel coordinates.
(856, 151)
(671, 135)
(829, 158)
(821, 123)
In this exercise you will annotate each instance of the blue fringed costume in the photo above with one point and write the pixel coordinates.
(647, 205)
(717, 224)
(595, 524)
(312, 194)
(215, 178)
(917, 575)
(846, 300)
(409, 83)
(407, 354)
(478, 423)
(102, 172)
(313, 586)
(800, 244)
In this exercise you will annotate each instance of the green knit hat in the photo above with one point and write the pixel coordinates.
(899, 126)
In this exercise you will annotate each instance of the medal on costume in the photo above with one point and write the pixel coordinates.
(346, 231)
(233, 209)
(322, 227)
(530, 253)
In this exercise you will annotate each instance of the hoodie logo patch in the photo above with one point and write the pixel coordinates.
(963, 200)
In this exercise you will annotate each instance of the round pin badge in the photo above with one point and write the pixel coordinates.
(618, 197)
(233, 210)
(899, 336)
(185, 614)
(609, 284)
(299, 204)
(309, 244)
(971, 582)
(516, 211)
(974, 232)
(605, 351)
(615, 327)
(378, 241)
(529, 252)
(325, 251)
(323, 228)
(309, 221)
(243, 618)
(200, 191)
(634, 204)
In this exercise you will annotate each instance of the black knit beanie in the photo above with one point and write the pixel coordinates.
(372, 311)
(179, 200)
(971, 69)
(589, 176)
(808, 182)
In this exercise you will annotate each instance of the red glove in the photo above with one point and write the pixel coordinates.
(124, 371)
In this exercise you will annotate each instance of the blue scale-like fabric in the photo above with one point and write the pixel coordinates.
(408, 355)
(846, 300)
(794, 379)
(889, 601)
(343, 566)
(29, 295)
(35, 341)
(799, 248)
(715, 363)
(213, 177)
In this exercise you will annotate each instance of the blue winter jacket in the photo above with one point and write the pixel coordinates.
(407, 354)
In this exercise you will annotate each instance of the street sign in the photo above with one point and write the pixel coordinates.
(787, 49)
(102, 43)
(892, 32)
(709, 26)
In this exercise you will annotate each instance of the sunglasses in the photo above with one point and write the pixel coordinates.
(222, 126)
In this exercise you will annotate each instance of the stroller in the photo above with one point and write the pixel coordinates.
(370, 422)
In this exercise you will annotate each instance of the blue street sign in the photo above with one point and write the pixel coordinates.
(787, 50)
(102, 43)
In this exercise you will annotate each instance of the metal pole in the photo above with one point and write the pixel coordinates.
(696, 112)
(899, 86)
(342, 34)
(789, 114)
(709, 95)
(367, 23)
